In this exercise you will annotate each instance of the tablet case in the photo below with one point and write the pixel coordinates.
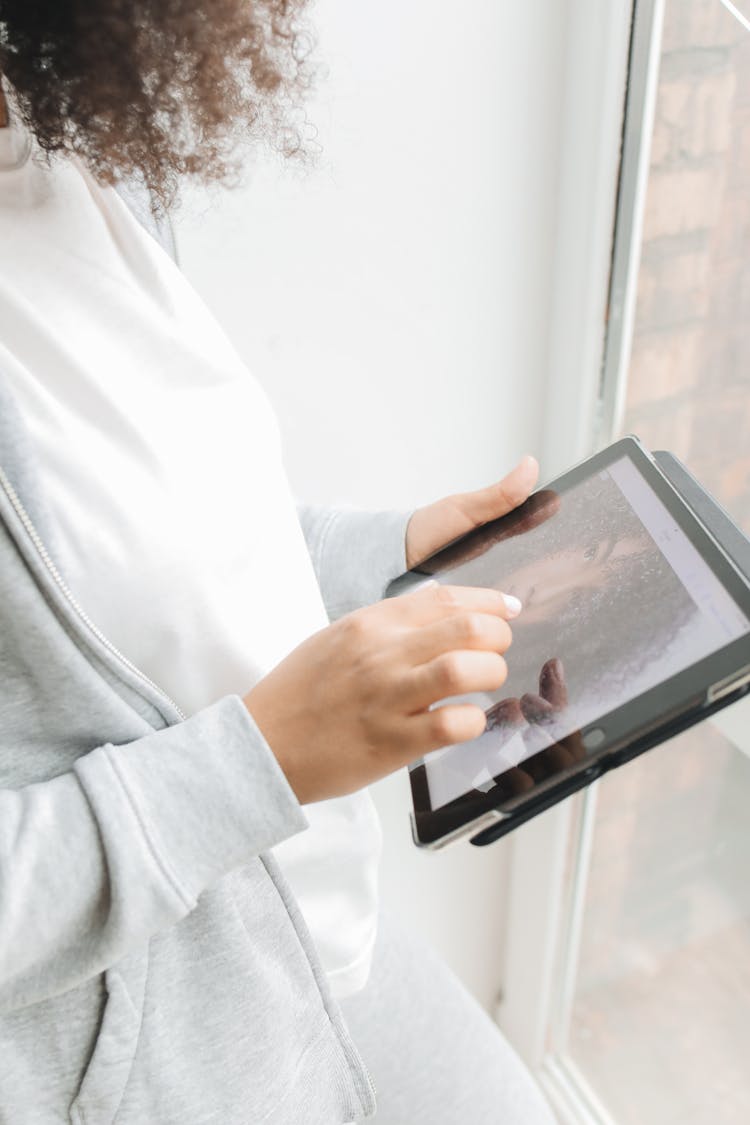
(736, 547)
(713, 517)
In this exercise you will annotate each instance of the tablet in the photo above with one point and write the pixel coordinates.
(635, 625)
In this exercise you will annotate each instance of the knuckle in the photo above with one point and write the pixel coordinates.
(355, 628)
(451, 725)
(450, 672)
(506, 636)
(447, 596)
(471, 628)
(442, 726)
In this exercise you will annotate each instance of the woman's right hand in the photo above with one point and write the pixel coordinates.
(352, 702)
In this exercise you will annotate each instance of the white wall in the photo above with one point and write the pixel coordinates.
(395, 300)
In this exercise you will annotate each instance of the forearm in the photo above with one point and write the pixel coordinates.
(97, 860)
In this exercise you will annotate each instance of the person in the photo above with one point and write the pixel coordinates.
(188, 853)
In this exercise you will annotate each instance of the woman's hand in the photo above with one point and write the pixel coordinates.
(431, 527)
(352, 703)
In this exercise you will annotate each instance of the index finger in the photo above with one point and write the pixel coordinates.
(432, 601)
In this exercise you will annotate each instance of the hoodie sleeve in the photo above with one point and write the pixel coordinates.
(97, 860)
(356, 553)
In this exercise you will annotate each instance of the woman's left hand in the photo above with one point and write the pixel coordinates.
(435, 525)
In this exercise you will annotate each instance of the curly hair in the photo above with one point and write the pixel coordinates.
(157, 89)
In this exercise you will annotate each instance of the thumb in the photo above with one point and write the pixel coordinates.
(498, 499)
(430, 528)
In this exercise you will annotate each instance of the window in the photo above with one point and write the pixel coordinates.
(643, 1017)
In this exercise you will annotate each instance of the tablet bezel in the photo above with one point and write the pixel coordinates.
(638, 724)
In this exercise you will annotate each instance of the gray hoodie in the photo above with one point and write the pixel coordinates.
(154, 968)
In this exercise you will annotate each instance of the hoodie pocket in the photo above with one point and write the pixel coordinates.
(106, 1076)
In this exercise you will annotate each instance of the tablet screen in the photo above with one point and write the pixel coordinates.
(616, 599)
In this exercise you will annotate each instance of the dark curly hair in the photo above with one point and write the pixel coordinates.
(157, 89)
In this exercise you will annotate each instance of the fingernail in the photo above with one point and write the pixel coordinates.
(512, 605)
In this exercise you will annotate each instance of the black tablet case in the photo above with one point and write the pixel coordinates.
(709, 512)
(737, 547)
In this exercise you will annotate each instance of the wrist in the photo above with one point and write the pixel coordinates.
(262, 716)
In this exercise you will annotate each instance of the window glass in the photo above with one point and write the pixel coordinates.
(659, 1024)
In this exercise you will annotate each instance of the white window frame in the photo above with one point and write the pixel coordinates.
(613, 53)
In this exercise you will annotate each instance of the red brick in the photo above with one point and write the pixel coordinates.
(663, 364)
(673, 288)
(699, 23)
(683, 200)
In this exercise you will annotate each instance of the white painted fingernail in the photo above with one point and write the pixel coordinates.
(513, 605)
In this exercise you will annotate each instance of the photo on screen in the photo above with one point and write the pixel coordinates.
(615, 600)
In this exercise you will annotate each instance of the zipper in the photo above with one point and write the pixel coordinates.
(61, 584)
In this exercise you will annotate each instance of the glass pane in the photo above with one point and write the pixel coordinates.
(660, 1022)
(660, 1025)
(689, 379)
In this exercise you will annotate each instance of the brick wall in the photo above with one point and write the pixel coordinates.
(689, 386)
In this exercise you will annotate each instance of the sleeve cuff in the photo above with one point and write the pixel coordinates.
(208, 794)
(361, 552)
